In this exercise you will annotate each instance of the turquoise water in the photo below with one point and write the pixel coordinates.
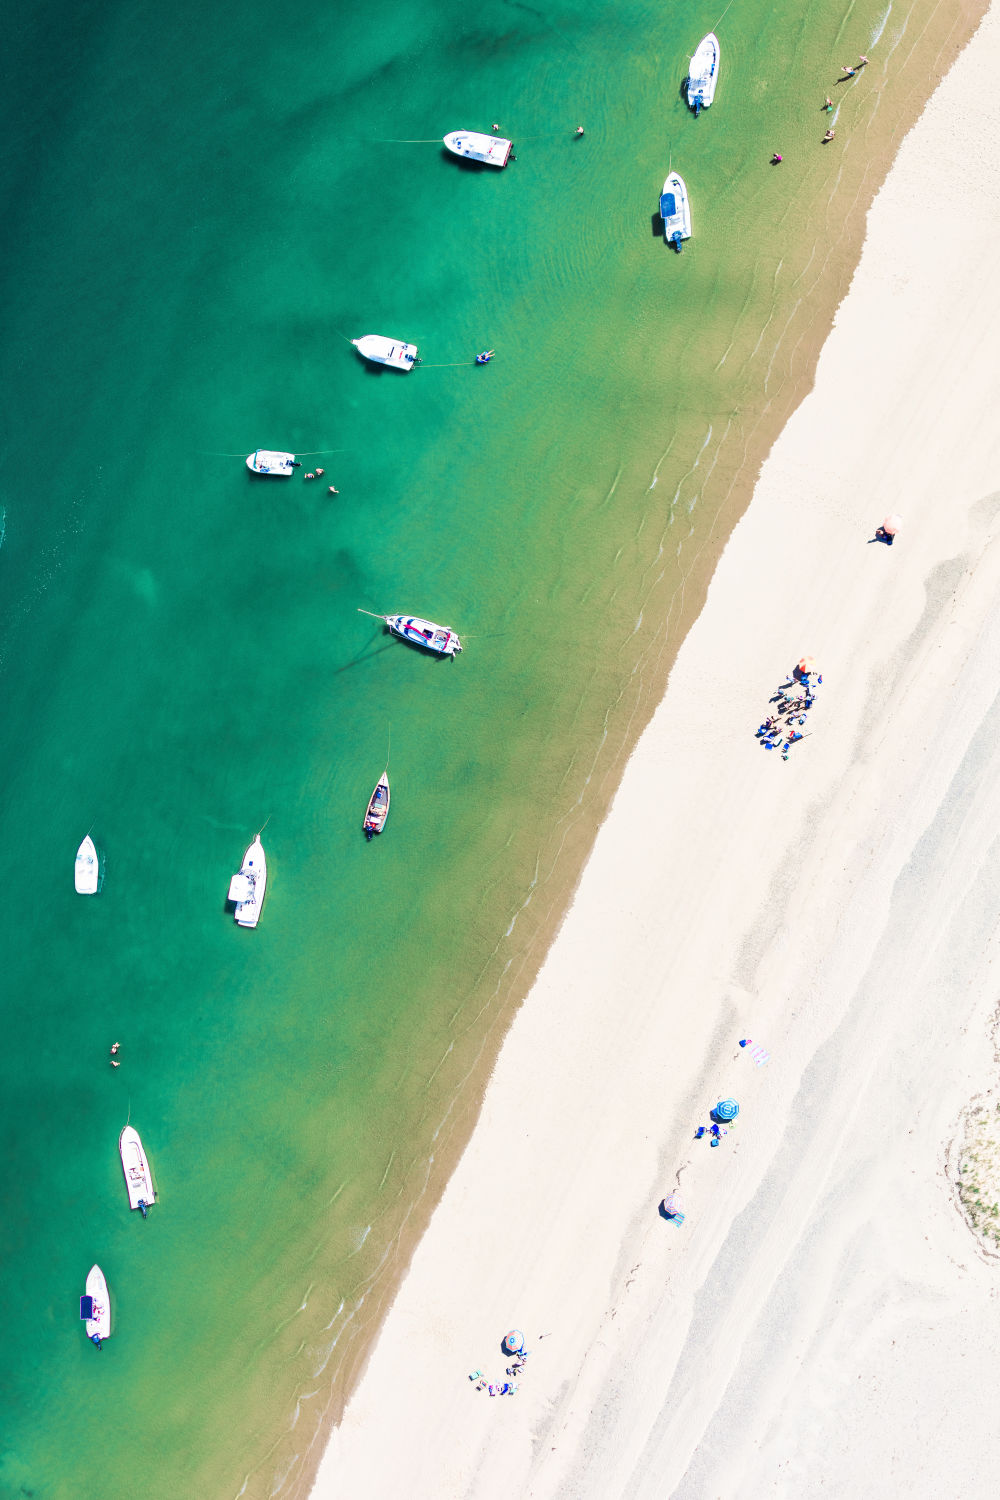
(203, 207)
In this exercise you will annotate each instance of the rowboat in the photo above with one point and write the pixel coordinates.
(270, 461)
(704, 73)
(95, 1307)
(492, 150)
(246, 889)
(378, 807)
(436, 638)
(138, 1178)
(392, 352)
(87, 868)
(675, 211)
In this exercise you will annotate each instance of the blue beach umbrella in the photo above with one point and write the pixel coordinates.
(725, 1110)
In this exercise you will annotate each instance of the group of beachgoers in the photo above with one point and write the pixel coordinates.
(792, 701)
(513, 1347)
(720, 1117)
(847, 74)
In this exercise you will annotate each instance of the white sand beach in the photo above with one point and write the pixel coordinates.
(823, 1322)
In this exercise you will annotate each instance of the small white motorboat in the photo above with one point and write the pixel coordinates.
(704, 74)
(87, 868)
(246, 889)
(436, 638)
(378, 807)
(387, 351)
(269, 461)
(493, 150)
(675, 211)
(138, 1178)
(95, 1307)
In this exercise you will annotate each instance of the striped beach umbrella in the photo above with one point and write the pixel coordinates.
(806, 664)
(725, 1110)
(513, 1342)
(673, 1204)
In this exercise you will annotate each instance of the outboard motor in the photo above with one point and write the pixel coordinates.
(676, 241)
(95, 1339)
(697, 105)
(143, 1207)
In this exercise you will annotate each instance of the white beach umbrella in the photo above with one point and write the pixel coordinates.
(891, 524)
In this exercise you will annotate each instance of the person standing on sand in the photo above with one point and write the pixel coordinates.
(829, 136)
(828, 106)
(847, 72)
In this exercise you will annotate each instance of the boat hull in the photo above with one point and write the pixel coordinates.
(98, 1326)
(382, 351)
(248, 896)
(86, 870)
(437, 639)
(269, 461)
(378, 807)
(675, 210)
(704, 73)
(138, 1178)
(473, 145)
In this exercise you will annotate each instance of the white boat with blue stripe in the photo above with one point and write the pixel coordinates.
(675, 211)
(436, 638)
(704, 74)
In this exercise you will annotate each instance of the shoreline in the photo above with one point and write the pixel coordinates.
(709, 1044)
(734, 468)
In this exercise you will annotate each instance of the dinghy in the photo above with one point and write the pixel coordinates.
(378, 807)
(436, 638)
(704, 73)
(493, 150)
(269, 461)
(138, 1178)
(87, 868)
(392, 352)
(675, 211)
(246, 889)
(95, 1307)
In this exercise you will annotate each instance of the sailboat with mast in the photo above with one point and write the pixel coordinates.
(439, 639)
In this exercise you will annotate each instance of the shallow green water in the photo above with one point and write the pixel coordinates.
(202, 204)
